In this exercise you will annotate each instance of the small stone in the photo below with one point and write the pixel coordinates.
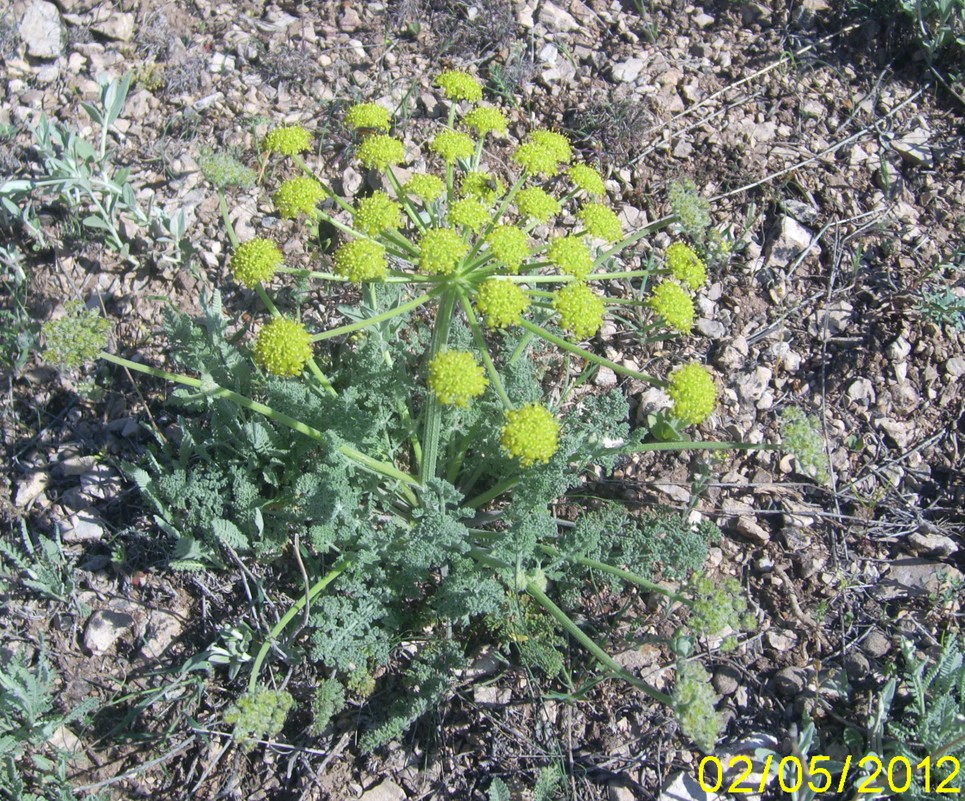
(932, 544)
(861, 392)
(627, 71)
(955, 367)
(106, 627)
(781, 641)
(913, 149)
(876, 644)
(42, 30)
(549, 54)
(703, 21)
(162, 629)
(712, 329)
(752, 386)
(119, 26)
(387, 791)
(349, 20)
(221, 62)
(84, 527)
(899, 350)
(832, 320)
(351, 181)
(726, 681)
(557, 19)
(31, 488)
(856, 665)
(491, 695)
(792, 240)
(915, 578)
(605, 377)
(790, 681)
(751, 529)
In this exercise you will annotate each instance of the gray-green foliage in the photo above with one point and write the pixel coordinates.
(41, 567)
(82, 176)
(933, 721)
(76, 338)
(31, 769)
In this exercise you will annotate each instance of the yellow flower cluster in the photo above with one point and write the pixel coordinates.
(502, 302)
(288, 141)
(581, 311)
(456, 377)
(441, 251)
(283, 347)
(361, 260)
(531, 434)
(693, 392)
(255, 261)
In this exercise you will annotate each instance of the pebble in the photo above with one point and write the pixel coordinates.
(790, 681)
(856, 665)
(42, 30)
(31, 488)
(386, 791)
(627, 71)
(105, 628)
(955, 367)
(84, 527)
(605, 377)
(792, 238)
(557, 19)
(119, 26)
(726, 681)
(876, 644)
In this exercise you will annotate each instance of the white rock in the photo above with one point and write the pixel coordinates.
(106, 627)
(605, 377)
(42, 30)
(711, 328)
(703, 21)
(557, 19)
(932, 544)
(898, 350)
(31, 488)
(752, 386)
(549, 54)
(862, 392)
(162, 629)
(832, 320)
(792, 240)
(387, 791)
(119, 26)
(221, 62)
(955, 367)
(627, 71)
(349, 20)
(84, 527)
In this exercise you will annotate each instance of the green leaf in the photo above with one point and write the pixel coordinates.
(498, 791)
(96, 222)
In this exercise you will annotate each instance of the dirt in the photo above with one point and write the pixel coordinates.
(793, 120)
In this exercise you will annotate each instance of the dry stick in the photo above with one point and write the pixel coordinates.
(130, 774)
(747, 79)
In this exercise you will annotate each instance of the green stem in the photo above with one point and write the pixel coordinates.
(316, 589)
(595, 650)
(223, 203)
(623, 244)
(626, 575)
(211, 389)
(494, 492)
(411, 211)
(477, 334)
(577, 350)
(379, 318)
(433, 409)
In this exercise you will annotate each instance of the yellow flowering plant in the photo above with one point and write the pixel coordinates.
(425, 440)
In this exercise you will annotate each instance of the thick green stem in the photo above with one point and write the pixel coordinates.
(223, 203)
(379, 318)
(211, 389)
(494, 492)
(290, 615)
(433, 409)
(595, 650)
(477, 334)
(626, 575)
(592, 357)
(623, 244)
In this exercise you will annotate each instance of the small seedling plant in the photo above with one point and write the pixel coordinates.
(405, 463)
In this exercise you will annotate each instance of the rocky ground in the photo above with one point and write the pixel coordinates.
(825, 148)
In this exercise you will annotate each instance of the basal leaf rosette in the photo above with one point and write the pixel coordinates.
(455, 377)
(283, 347)
(531, 434)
